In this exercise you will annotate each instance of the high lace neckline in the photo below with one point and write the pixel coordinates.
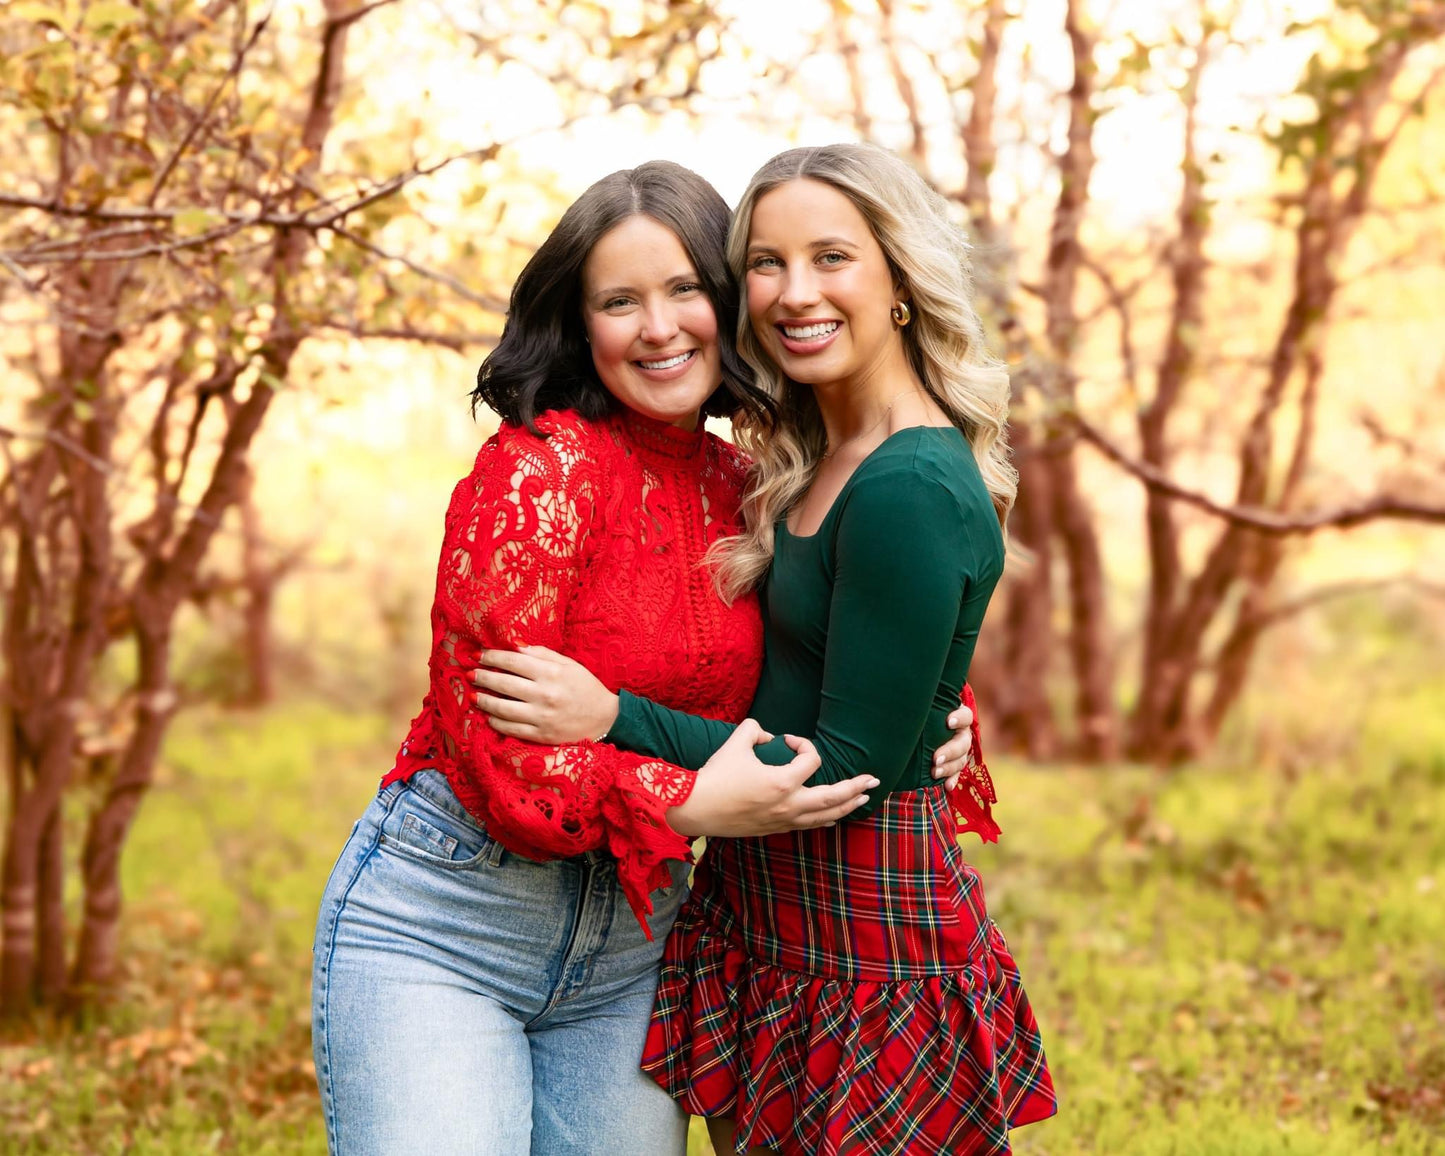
(662, 441)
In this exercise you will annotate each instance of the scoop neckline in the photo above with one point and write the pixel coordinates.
(858, 469)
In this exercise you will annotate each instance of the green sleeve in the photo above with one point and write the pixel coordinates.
(686, 740)
(900, 570)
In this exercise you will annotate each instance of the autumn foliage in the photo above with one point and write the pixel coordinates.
(189, 206)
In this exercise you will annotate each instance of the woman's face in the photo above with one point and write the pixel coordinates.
(819, 288)
(652, 328)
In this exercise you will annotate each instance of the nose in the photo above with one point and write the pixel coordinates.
(659, 323)
(799, 289)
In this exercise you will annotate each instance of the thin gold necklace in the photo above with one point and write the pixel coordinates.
(828, 453)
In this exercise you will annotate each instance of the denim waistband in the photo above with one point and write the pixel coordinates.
(432, 785)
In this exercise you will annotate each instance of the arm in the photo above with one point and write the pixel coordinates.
(685, 739)
(901, 569)
(546, 697)
(638, 724)
(511, 559)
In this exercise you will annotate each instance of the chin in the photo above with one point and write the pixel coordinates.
(808, 371)
(671, 413)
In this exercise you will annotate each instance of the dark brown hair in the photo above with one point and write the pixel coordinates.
(543, 362)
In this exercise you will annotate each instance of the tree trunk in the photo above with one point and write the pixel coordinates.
(259, 594)
(1025, 719)
(1252, 617)
(50, 910)
(20, 898)
(1175, 367)
(30, 898)
(1088, 615)
(96, 958)
(1072, 519)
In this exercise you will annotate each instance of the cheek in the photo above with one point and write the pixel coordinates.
(872, 293)
(761, 293)
(610, 342)
(701, 322)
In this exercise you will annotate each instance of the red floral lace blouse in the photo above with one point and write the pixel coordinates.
(588, 541)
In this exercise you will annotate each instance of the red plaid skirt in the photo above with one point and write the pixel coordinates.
(843, 991)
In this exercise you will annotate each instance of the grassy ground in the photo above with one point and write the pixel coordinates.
(1226, 962)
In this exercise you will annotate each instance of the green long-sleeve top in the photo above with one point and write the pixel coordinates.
(869, 624)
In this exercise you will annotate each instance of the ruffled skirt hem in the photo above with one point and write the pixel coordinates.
(813, 1065)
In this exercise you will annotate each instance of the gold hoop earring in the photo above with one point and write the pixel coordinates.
(901, 314)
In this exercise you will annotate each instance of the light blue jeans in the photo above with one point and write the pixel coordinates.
(466, 1000)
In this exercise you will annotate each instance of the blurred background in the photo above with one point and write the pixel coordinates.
(250, 258)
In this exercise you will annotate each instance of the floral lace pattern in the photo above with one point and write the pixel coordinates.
(588, 540)
(972, 800)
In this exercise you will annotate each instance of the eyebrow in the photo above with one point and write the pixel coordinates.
(613, 290)
(820, 243)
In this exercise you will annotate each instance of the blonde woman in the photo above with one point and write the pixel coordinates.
(843, 990)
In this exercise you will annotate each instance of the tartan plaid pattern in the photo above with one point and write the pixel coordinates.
(842, 992)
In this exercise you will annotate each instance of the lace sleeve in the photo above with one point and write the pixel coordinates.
(512, 555)
(973, 798)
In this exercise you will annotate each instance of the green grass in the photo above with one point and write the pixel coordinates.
(1227, 961)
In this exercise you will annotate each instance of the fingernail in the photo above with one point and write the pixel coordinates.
(862, 799)
(872, 782)
(938, 760)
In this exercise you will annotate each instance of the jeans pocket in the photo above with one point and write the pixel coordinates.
(421, 828)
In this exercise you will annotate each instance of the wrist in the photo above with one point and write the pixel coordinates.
(608, 719)
(683, 819)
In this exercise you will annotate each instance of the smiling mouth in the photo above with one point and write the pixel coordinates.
(669, 362)
(809, 332)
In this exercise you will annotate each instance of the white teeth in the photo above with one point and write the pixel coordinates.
(803, 332)
(668, 364)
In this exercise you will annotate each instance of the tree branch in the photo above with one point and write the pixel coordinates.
(1328, 593)
(205, 113)
(1254, 517)
(495, 304)
(458, 342)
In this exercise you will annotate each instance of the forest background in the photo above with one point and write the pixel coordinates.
(250, 257)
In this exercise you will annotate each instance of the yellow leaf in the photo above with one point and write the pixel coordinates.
(109, 13)
(195, 220)
(39, 12)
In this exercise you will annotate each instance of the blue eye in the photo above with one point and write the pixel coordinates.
(833, 257)
(762, 262)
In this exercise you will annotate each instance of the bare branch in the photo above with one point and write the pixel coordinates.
(1410, 449)
(205, 114)
(100, 465)
(495, 304)
(309, 220)
(1119, 302)
(1265, 521)
(1334, 590)
(364, 10)
(979, 147)
(459, 342)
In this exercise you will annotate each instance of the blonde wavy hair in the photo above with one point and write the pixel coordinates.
(929, 256)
